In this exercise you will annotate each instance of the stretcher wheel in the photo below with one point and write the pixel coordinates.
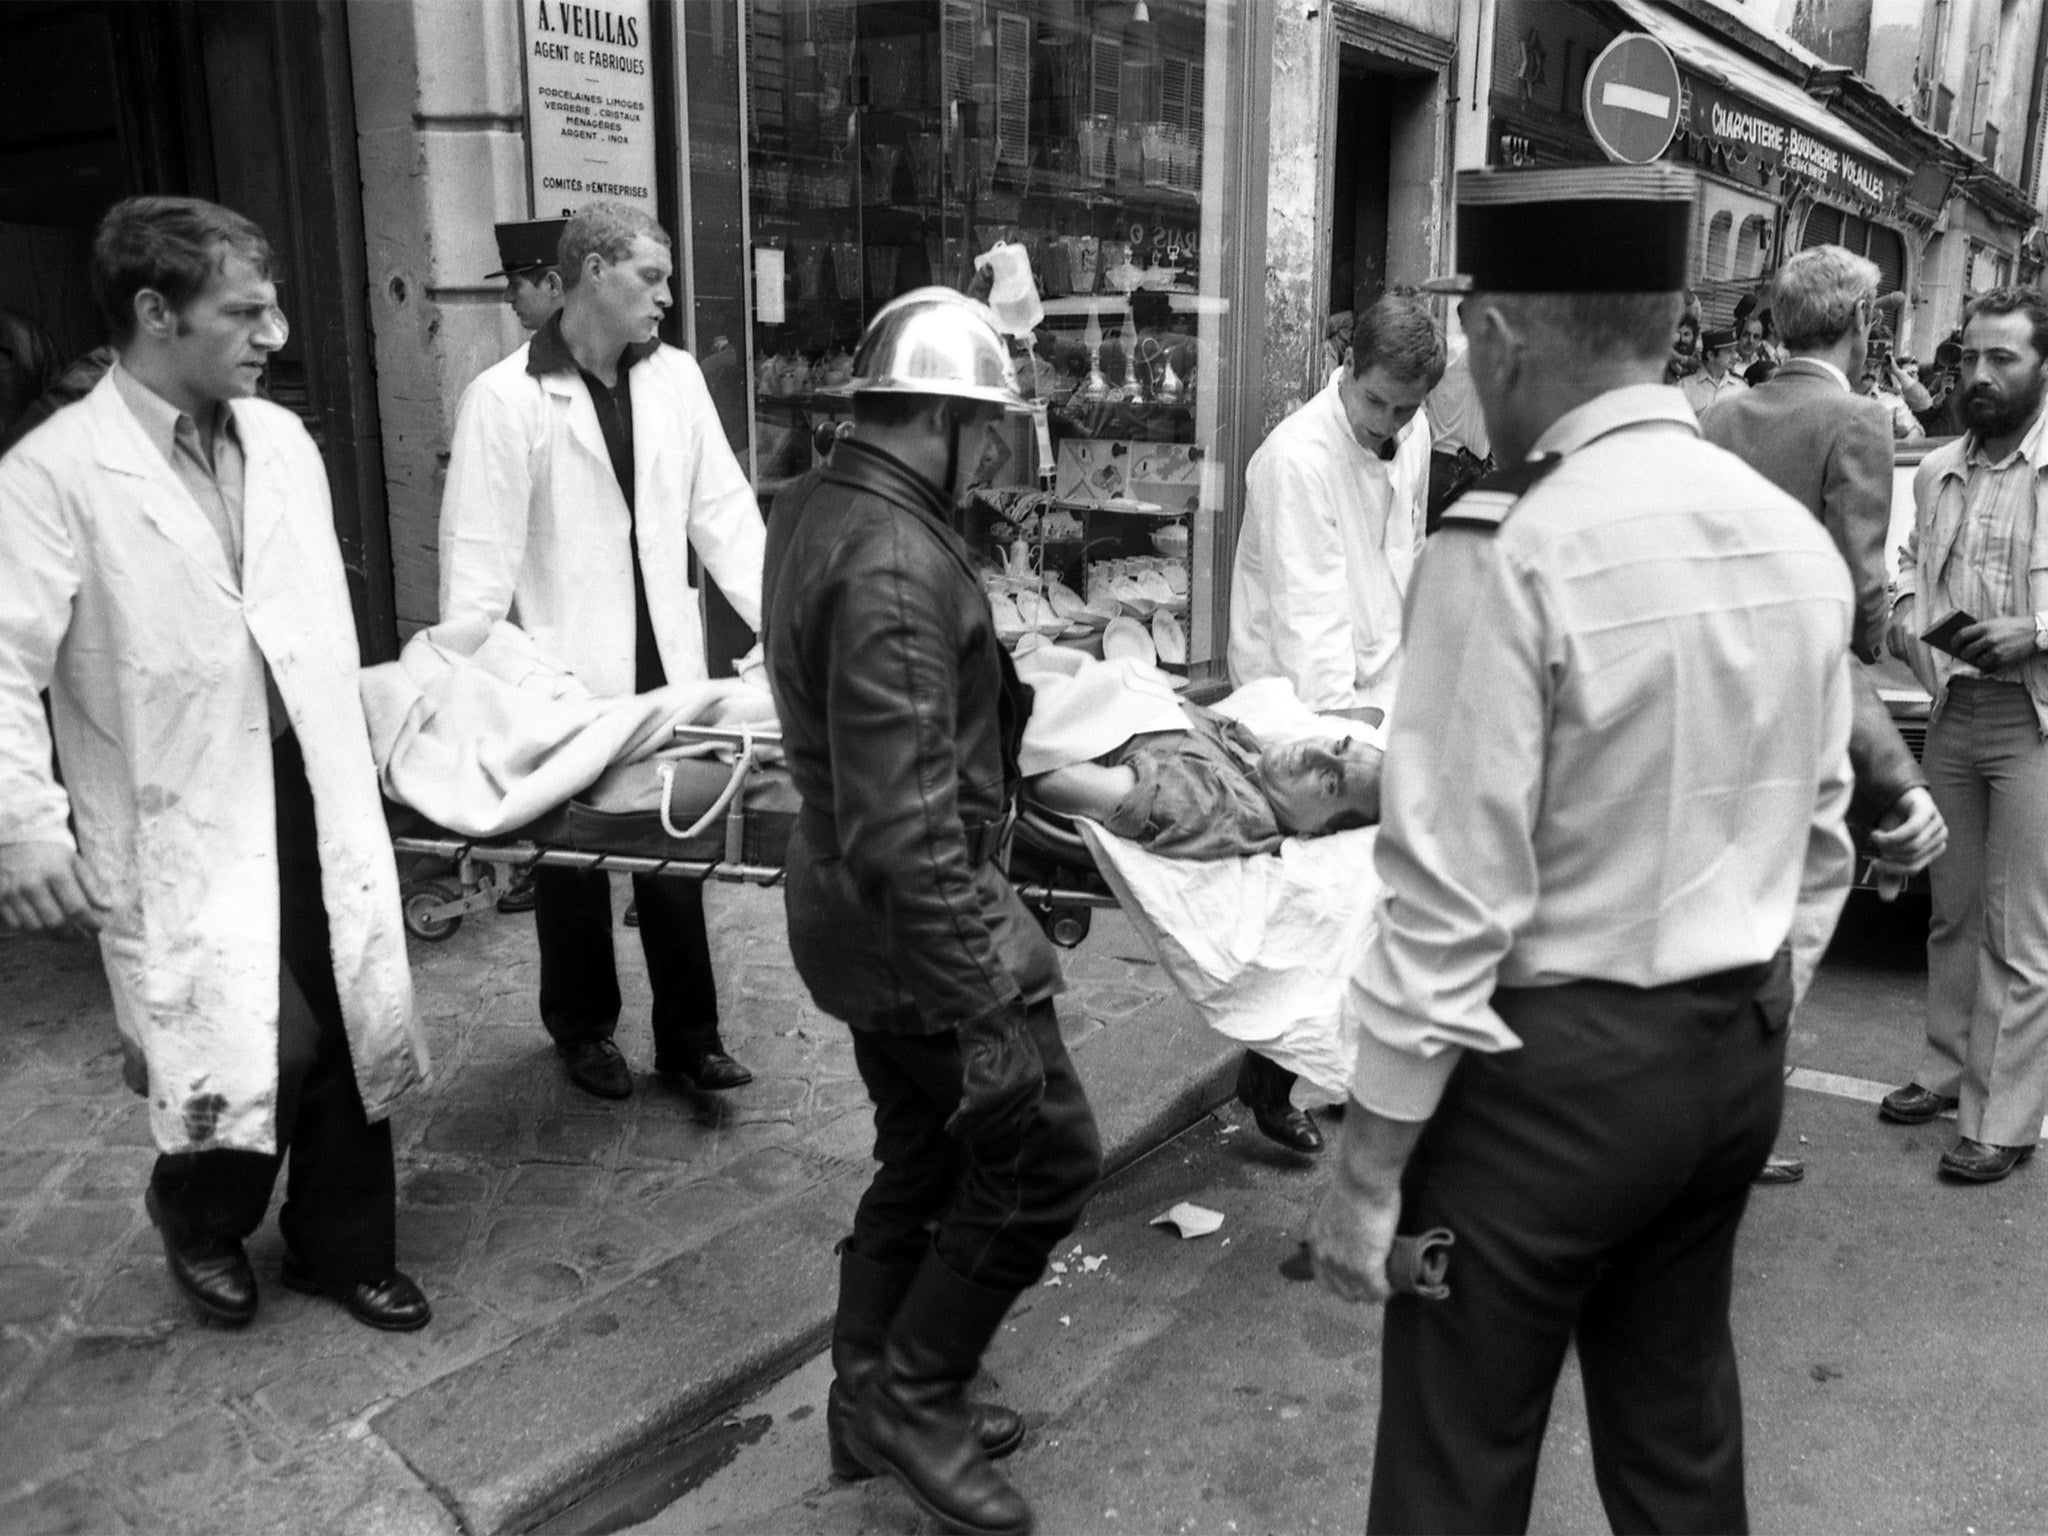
(420, 899)
(1065, 926)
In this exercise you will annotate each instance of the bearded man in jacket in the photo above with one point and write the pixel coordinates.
(901, 717)
(171, 575)
(585, 468)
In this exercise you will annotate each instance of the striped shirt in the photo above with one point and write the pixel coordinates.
(1987, 572)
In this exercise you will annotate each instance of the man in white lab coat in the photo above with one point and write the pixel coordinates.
(585, 468)
(1333, 518)
(172, 577)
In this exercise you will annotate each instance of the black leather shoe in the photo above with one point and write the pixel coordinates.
(597, 1067)
(213, 1271)
(1263, 1087)
(632, 917)
(1780, 1170)
(713, 1072)
(394, 1304)
(1979, 1163)
(518, 895)
(1913, 1105)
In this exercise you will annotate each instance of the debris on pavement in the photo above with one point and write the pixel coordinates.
(1189, 1219)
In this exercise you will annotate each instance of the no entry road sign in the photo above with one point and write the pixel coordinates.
(1632, 98)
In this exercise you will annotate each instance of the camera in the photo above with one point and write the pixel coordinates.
(1949, 355)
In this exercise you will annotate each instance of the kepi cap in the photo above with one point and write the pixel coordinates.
(528, 244)
(1715, 340)
(1578, 229)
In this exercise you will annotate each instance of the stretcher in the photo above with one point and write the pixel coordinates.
(715, 821)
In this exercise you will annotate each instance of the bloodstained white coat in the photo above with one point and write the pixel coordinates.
(115, 593)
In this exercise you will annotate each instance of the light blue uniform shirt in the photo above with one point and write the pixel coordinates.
(1620, 746)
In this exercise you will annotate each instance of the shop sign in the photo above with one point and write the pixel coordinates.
(1836, 174)
(589, 104)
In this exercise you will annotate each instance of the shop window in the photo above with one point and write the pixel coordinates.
(1716, 264)
(1752, 247)
(1071, 157)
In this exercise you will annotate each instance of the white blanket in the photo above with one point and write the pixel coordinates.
(486, 740)
(1263, 948)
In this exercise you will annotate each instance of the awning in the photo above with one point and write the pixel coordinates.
(1739, 105)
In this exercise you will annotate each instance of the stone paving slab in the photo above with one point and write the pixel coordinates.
(529, 1212)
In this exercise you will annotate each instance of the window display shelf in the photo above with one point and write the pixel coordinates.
(891, 145)
(1110, 195)
(811, 400)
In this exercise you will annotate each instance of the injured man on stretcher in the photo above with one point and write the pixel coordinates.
(1211, 790)
(1237, 839)
(1184, 781)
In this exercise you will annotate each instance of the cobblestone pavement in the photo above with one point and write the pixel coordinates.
(520, 1199)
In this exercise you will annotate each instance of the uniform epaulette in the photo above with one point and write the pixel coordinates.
(1484, 507)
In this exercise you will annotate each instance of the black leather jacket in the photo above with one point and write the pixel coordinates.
(900, 719)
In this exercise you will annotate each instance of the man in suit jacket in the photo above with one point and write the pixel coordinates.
(1808, 433)
(1827, 447)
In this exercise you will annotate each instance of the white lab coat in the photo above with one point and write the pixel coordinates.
(116, 594)
(534, 527)
(1328, 544)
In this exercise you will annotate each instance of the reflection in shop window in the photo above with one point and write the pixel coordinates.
(1062, 162)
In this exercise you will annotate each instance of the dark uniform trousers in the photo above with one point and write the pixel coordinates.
(1594, 1179)
(340, 1209)
(579, 979)
(996, 1221)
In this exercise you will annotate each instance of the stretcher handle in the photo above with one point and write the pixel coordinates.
(742, 766)
(728, 735)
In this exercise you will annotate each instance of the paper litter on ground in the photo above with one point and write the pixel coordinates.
(1189, 1219)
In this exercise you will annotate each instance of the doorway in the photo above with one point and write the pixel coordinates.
(1384, 153)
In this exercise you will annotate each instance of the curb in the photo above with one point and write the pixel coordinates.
(519, 1437)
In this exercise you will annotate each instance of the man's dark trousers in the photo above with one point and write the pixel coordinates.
(340, 1210)
(572, 923)
(1594, 1179)
(579, 980)
(997, 1221)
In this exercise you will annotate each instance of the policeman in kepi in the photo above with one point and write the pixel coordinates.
(1614, 792)
(901, 716)
(533, 283)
